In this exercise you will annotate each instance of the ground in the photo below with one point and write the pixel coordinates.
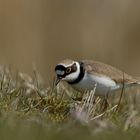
(31, 110)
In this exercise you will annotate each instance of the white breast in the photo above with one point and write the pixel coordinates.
(104, 84)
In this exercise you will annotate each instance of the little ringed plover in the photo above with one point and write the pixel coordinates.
(84, 75)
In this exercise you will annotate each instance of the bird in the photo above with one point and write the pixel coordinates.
(84, 75)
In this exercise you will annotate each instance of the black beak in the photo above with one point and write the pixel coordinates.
(57, 80)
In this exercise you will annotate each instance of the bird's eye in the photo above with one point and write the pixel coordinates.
(68, 70)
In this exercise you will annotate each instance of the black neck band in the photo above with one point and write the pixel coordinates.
(80, 76)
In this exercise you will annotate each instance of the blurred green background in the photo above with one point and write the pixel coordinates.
(43, 32)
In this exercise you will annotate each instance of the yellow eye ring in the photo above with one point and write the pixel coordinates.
(68, 70)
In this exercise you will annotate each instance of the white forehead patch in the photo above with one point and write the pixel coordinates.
(67, 65)
(60, 72)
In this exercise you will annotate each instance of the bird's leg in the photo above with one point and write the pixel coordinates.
(105, 103)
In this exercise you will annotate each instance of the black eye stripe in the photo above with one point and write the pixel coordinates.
(62, 68)
(74, 67)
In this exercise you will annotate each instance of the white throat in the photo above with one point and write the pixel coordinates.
(73, 76)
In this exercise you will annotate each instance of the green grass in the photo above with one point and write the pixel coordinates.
(30, 110)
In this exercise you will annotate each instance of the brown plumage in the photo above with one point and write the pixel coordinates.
(101, 69)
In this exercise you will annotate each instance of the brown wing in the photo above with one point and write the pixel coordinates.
(115, 74)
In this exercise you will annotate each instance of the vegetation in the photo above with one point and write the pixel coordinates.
(29, 110)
